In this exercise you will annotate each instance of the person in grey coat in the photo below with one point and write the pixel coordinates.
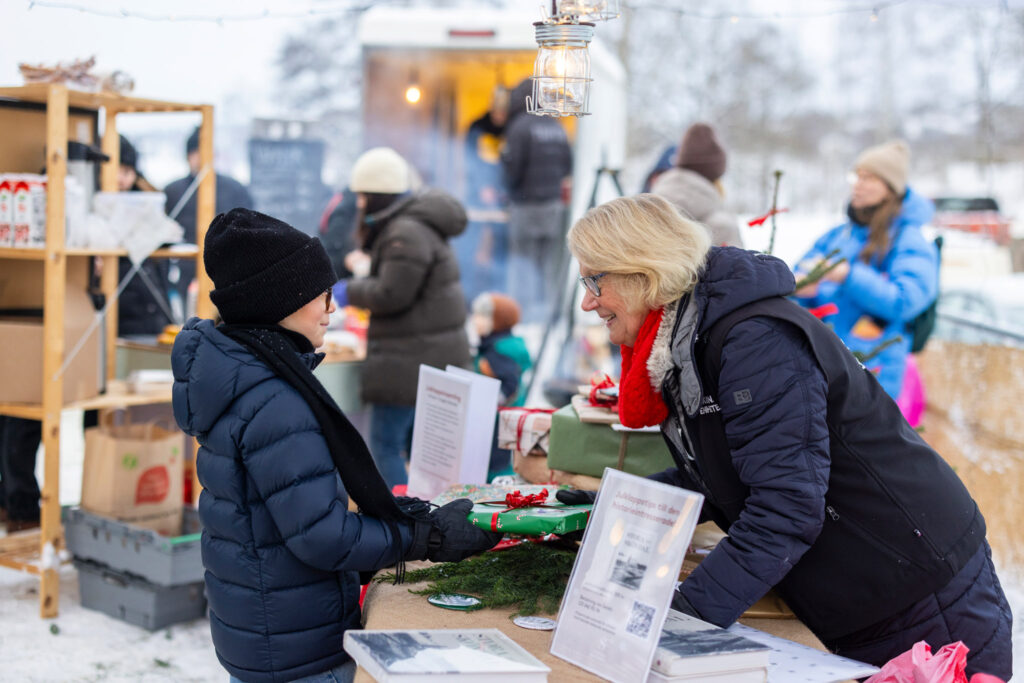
(411, 287)
(693, 185)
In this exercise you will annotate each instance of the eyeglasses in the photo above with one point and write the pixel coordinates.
(329, 294)
(590, 282)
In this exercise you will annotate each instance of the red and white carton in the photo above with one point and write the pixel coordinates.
(6, 209)
(29, 210)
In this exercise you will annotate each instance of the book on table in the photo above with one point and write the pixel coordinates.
(411, 656)
(689, 647)
(746, 676)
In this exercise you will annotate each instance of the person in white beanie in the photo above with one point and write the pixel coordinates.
(890, 272)
(407, 276)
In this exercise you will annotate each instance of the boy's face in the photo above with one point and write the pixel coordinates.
(482, 324)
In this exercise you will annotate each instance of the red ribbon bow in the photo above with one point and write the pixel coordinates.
(517, 500)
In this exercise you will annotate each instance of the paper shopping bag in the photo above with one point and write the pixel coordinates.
(134, 473)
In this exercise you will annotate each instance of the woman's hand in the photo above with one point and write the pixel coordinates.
(839, 273)
(358, 262)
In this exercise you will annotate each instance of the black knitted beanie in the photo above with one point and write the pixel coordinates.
(263, 269)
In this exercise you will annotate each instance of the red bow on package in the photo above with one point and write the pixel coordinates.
(516, 500)
(597, 399)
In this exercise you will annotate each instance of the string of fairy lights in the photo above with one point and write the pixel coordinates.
(872, 10)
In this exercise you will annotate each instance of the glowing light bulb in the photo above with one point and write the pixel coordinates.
(413, 94)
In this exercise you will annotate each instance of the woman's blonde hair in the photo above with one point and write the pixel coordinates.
(646, 240)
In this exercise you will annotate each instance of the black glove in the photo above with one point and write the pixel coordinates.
(575, 496)
(681, 604)
(421, 525)
(453, 537)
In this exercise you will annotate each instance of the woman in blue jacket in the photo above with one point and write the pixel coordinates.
(891, 271)
(281, 549)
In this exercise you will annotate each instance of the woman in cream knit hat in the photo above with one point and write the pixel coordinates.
(891, 271)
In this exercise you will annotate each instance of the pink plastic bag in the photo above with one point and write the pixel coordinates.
(918, 665)
(911, 398)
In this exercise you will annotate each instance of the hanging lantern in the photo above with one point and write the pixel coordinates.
(561, 73)
(586, 10)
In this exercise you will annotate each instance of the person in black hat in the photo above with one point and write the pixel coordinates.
(181, 206)
(143, 308)
(278, 461)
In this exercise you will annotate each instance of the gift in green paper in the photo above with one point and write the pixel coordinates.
(530, 515)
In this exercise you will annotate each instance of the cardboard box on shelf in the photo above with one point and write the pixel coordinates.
(21, 336)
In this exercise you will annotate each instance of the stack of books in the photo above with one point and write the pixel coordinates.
(695, 651)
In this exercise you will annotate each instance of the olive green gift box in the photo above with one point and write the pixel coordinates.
(588, 448)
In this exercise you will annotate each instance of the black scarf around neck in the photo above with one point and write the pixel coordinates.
(279, 348)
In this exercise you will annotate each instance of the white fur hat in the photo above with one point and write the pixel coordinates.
(381, 170)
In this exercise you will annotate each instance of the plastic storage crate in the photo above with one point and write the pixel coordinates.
(163, 560)
(135, 601)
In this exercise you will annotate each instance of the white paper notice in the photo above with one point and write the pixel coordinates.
(442, 402)
(624, 576)
(452, 431)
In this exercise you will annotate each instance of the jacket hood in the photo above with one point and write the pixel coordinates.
(735, 277)
(731, 278)
(517, 100)
(686, 188)
(438, 209)
(916, 208)
(210, 372)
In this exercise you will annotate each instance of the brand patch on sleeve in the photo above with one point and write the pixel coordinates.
(742, 396)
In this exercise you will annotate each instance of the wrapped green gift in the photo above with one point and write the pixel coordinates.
(587, 448)
(531, 518)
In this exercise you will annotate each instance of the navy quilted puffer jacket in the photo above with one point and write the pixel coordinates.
(280, 548)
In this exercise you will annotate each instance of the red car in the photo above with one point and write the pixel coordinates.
(978, 215)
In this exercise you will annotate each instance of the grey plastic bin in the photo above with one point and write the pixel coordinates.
(135, 601)
(163, 560)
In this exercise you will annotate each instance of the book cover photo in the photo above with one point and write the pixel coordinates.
(443, 655)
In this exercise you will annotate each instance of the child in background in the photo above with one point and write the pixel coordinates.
(501, 355)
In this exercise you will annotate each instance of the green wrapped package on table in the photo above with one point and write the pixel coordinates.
(554, 518)
(587, 448)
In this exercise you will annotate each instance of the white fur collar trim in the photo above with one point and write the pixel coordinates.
(660, 360)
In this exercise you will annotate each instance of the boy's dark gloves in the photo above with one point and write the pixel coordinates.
(452, 537)
(575, 496)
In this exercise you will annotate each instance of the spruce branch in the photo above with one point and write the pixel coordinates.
(775, 204)
(820, 270)
(865, 357)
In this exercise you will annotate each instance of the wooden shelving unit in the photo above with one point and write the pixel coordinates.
(38, 552)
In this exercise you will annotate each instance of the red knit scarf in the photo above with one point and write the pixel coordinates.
(640, 404)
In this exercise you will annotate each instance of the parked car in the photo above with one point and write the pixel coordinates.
(977, 215)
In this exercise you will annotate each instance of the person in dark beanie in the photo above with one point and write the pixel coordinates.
(143, 308)
(278, 462)
(181, 206)
(407, 276)
(891, 271)
(694, 185)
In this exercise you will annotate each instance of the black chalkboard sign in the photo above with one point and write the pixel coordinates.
(285, 180)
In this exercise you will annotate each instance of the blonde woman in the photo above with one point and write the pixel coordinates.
(826, 494)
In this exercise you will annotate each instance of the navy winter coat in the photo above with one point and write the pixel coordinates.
(280, 547)
(825, 491)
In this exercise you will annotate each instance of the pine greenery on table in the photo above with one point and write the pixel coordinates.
(530, 576)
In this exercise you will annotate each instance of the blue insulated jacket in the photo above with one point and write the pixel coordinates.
(877, 300)
(280, 548)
